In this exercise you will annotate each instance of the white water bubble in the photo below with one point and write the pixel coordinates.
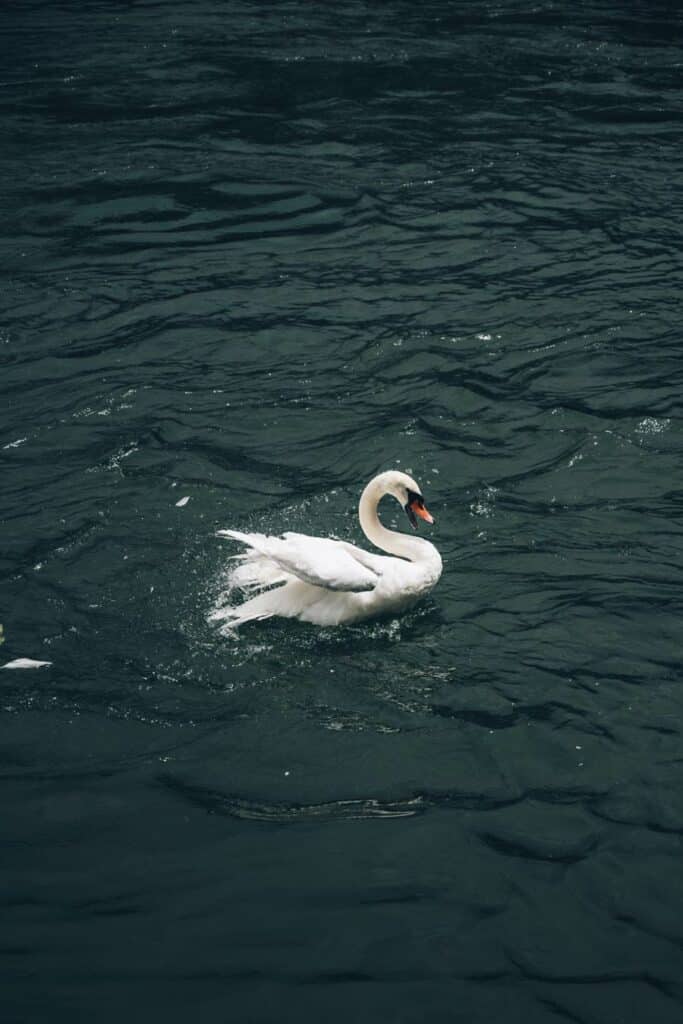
(650, 425)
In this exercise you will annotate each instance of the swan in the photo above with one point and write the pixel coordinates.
(330, 582)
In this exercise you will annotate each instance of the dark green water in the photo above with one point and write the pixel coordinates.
(253, 253)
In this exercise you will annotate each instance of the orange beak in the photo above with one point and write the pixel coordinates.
(420, 510)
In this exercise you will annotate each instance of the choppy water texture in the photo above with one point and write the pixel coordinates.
(252, 254)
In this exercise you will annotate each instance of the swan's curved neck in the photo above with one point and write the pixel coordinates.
(413, 548)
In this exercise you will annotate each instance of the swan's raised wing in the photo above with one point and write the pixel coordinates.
(317, 560)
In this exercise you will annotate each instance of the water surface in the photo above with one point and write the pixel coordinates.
(252, 254)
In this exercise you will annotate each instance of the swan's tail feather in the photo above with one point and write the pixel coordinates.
(255, 569)
(254, 574)
(235, 616)
(286, 601)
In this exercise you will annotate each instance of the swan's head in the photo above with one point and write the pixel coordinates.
(408, 494)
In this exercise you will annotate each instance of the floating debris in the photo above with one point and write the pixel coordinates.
(26, 663)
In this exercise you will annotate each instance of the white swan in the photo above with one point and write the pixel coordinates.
(330, 582)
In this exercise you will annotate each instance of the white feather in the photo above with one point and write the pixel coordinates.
(26, 663)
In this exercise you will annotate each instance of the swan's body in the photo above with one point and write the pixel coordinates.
(330, 582)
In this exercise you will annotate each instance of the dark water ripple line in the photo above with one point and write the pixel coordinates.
(557, 852)
(528, 969)
(164, 208)
(217, 802)
(102, 769)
